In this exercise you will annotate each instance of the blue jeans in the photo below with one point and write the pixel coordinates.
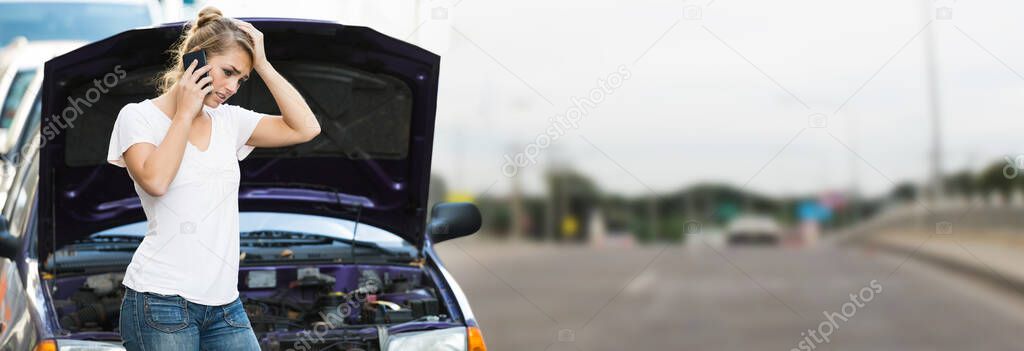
(154, 322)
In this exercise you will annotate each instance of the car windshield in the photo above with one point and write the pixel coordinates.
(69, 20)
(264, 233)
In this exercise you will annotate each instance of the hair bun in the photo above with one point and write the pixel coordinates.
(207, 15)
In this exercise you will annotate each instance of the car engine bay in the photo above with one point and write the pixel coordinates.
(348, 307)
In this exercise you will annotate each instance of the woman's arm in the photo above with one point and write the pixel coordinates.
(296, 124)
(154, 167)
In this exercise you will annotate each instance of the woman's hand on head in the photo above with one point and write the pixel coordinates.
(191, 89)
(259, 56)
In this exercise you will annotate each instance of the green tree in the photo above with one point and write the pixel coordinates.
(995, 178)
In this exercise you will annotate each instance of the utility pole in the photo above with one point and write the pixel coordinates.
(652, 207)
(517, 207)
(934, 105)
(853, 133)
(690, 205)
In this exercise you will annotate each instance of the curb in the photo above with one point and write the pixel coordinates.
(973, 269)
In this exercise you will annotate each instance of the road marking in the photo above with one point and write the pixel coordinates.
(642, 283)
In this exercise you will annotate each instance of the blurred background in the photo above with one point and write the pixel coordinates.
(706, 175)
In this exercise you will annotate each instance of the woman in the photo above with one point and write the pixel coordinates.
(181, 150)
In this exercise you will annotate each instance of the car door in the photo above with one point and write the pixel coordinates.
(17, 332)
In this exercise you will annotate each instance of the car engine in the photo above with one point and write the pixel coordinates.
(311, 308)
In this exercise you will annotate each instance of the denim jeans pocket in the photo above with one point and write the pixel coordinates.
(166, 313)
(234, 315)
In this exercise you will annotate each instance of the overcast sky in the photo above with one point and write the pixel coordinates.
(716, 91)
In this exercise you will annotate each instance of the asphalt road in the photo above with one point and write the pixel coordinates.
(529, 297)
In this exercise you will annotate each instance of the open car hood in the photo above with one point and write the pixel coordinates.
(374, 96)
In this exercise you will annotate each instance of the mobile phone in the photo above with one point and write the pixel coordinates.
(200, 55)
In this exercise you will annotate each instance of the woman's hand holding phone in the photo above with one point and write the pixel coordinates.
(191, 89)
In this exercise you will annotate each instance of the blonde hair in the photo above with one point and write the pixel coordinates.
(210, 31)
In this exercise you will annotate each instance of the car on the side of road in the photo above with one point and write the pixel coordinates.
(73, 20)
(753, 229)
(20, 83)
(21, 80)
(337, 242)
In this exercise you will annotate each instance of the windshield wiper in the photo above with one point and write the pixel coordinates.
(285, 239)
(350, 209)
(106, 242)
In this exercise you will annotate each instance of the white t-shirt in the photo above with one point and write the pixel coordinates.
(191, 244)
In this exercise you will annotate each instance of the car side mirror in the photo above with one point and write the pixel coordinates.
(9, 245)
(453, 220)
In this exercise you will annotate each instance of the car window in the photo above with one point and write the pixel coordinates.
(69, 20)
(18, 88)
(31, 127)
(21, 197)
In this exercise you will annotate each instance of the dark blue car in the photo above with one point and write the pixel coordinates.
(336, 243)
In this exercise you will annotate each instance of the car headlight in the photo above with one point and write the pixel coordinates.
(451, 339)
(79, 345)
